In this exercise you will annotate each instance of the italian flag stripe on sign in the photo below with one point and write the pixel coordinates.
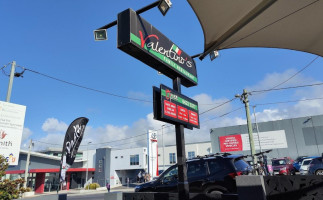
(176, 49)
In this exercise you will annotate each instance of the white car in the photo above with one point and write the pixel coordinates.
(304, 166)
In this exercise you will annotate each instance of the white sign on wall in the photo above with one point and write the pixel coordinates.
(12, 117)
(268, 140)
(152, 153)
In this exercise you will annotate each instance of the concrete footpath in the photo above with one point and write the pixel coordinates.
(75, 192)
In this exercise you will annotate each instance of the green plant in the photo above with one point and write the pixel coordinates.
(9, 188)
(92, 186)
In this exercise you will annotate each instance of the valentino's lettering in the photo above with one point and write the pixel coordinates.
(173, 53)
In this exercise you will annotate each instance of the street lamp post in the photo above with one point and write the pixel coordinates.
(163, 146)
(31, 144)
(87, 161)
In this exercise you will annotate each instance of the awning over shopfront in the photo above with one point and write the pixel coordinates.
(287, 24)
(57, 170)
(54, 170)
(15, 172)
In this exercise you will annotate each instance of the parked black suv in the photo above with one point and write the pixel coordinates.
(210, 174)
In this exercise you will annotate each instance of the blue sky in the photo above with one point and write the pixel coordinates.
(56, 38)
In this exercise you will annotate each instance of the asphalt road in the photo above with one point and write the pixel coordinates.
(99, 196)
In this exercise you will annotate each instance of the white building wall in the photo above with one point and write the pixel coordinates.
(200, 149)
(120, 162)
(90, 157)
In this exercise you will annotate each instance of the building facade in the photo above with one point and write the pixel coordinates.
(304, 136)
(118, 167)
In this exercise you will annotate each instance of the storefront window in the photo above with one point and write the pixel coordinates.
(134, 159)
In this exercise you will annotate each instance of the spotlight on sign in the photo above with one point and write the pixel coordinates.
(100, 34)
(214, 55)
(164, 6)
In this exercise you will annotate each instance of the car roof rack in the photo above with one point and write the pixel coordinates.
(211, 155)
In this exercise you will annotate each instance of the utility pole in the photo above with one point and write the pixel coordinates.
(12, 74)
(27, 163)
(254, 114)
(244, 98)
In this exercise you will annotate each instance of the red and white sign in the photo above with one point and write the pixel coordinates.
(152, 153)
(170, 109)
(193, 116)
(267, 140)
(231, 143)
(182, 113)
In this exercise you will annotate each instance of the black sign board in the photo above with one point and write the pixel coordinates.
(175, 108)
(141, 40)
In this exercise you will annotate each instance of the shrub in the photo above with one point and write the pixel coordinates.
(92, 186)
(8, 188)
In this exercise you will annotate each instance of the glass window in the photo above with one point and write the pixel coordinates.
(134, 159)
(241, 165)
(278, 162)
(307, 162)
(191, 154)
(171, 175)
(196, 169)
(215, 166)
(172, 158)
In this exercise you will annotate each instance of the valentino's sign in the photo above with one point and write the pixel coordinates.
(141, 40)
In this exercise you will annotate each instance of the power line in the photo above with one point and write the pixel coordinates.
(309, 64)
(224, 114)
(291, 101)
(87, 88)
(217, 106)
(286, 88)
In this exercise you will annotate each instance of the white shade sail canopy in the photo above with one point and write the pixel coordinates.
(287, 24)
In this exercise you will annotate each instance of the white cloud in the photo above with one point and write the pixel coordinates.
(26, 133)
(273, 79)
(52, 125)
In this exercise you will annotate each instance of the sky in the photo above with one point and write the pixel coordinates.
(54, 41)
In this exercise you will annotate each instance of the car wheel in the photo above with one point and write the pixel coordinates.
(319, 172)
(217, 194)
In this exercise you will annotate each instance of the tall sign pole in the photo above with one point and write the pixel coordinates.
(183, 187)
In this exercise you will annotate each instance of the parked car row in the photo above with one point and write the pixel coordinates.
(212, 174)
(215, 174)
(303, 163)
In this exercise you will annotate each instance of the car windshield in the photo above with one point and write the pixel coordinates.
(241, 165)
(278, 162)
(307, 162)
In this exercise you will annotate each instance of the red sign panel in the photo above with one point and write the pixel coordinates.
(193, 118)
(170, 109)
(182, 113)
(230, 143)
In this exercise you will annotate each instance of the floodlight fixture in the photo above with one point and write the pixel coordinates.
(214, 55)
(100, 34)
(164, 6)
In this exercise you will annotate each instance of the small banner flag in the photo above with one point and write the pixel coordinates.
(176, 49)
(72, 141)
